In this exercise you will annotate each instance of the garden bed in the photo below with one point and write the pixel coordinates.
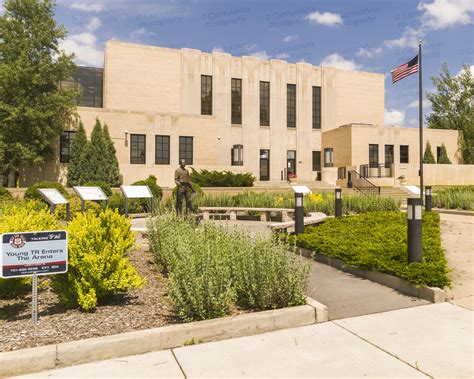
(139, 309)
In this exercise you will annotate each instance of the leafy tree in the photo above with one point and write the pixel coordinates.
(114, 178)
(74, 170)
(453, 107)
(34, 110)
(443, 156)
(428, 156)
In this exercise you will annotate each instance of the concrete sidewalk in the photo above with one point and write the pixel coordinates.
(426, 341)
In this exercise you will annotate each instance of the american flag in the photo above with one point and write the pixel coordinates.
(405, 70)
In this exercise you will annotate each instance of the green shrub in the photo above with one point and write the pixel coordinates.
(117, 201)
(23, 217)
(5, 194)
(206, 178)
(428, 157)
(460, 197)
(75, 208)
(97, 264)
(33, 194)
(378, 241)
(155, 189)
(103, 185)
(211, 269)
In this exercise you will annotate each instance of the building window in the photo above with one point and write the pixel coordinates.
(388, 155)
(186, 149)
(162, 149)
(65, 142)
(316, 161)
(236, 90)
(328, 157)
(90, 80)
(264, 103)
(206, 94)
(264, 165)
(373, 155)
(438, 153)
(291, 162)
(237, 155)
(291, 105)
(316, 107)
(137, 148)
(404, 155)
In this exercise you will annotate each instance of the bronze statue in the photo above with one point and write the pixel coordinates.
(185, 189)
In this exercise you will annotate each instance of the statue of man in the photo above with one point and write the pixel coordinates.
(182, 180)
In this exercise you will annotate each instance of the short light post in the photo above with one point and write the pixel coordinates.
(299, 213)
(415, 230)
(428, 192)
(338, 202)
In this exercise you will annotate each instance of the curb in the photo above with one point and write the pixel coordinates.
(454, 211)
(49, 357)
(432, 294)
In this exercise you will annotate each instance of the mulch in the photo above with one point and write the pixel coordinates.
(148, 307)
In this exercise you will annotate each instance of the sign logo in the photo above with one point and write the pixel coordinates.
(17, 241)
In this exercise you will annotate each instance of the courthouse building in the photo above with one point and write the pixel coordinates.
(244, 114)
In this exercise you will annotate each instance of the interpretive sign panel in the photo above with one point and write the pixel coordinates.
(52, 196)
(301, 189)
(90, 193)
(40, 253)
(136, 192)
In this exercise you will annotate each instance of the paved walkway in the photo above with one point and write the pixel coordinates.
(428, 341)
(457, 234)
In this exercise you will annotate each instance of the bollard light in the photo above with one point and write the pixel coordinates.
(338, 202)
(428, 192)
(299, 213)
(415, 230)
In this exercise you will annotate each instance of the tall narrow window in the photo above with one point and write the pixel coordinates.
(316, 107)
(264, 165)
(90, 80)
(316, 161)
(438, 153)
(373, 155)
(328, 157)
(291, 105)
(236, 88)
(65, 142)
(388, 155)
(137, 148)
(264, 103)
(186, 149)
(237, 155)
(162, 149)
(291, 162)
(206, 94)
(404, 153)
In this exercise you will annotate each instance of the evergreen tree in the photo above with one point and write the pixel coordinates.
(74, 170)
(453, 108)
(99, 154)
(114, 178)
(88, 167)
(443, 156)
(428, 156)
(34, 110)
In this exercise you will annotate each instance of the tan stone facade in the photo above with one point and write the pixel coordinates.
(157, 91)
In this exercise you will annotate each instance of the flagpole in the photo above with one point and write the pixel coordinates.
(420, 111)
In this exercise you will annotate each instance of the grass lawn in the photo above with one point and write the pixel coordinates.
(378, 241)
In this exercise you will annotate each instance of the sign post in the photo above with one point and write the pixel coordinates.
(136, 192)
(32, 254)
(300, 191)
(53, 197)
(90, 194)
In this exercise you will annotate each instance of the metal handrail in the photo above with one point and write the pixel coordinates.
(361, 184)
(364, 170)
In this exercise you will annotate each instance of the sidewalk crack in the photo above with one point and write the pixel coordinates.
(179, 364)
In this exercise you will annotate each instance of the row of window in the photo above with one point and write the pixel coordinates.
(91, 81)
(162, 149)
(236, 102)
(389, 157)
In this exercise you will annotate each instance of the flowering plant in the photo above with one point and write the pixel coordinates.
(291, 175)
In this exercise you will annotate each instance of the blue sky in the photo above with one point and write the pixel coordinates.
(366, 35)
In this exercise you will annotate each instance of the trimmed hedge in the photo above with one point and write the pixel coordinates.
(378, 241)
(205, 178)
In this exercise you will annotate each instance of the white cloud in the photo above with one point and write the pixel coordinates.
(413, 122)
(409, 38)
(290, 38)
(394, 117)
(325, 18)
(87, 7)
(261, 54)
(217, 49)
(282, 56)
(249, 46)
(141, 32)
(414, 104)
(369, 53)
(337, 61)
(472, 70)
(93, 24)
(442, 14)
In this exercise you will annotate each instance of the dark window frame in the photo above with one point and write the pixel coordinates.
(291, 105)
(373, 155)
(316, 166)
(236, 101)
(290, 161)
(63, 140)
(389, 154)
(164, 149)
(186, 149)
(91, 80)
(331, 151)
(404, 154)
(267, 177)
(316, 107)
(240, 155)
(264, 103)
(206, 95)
(138, 158)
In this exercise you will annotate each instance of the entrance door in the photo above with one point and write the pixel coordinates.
(291, 162)
(264, 165)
